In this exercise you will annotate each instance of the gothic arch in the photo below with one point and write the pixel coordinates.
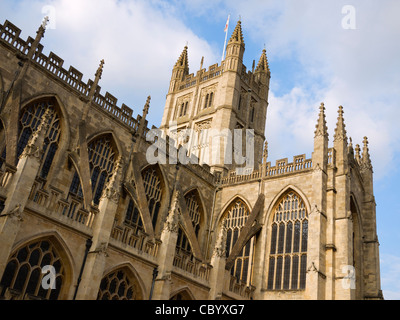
(183, 293)
(287, 234)
(203, 216)
(269, 212)
(114, 141)
(164, 197)
(227, 205)
(60, 248)
(60, 109)
(130, 274)
(357, 244)
(240, 243)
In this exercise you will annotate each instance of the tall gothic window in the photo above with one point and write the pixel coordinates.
(183, 244)
(195, 210)
(152, 187)
(132, 217)
(23, 275)
(289, 240)
(236, 219)
(118, 285)
(102, 159)
(29, 122)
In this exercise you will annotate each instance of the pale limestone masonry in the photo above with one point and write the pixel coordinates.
(77, 192)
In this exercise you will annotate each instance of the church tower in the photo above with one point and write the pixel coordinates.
(205, 112)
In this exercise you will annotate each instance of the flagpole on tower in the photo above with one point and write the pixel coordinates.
(226, 37)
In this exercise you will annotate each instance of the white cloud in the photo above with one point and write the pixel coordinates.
(140, 41)
(390, 270)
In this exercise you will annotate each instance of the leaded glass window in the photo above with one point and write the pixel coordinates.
(152, 187)
(132, 217)
(195, 210)
(102, 159)
(118, 286)
(23, 273)
(236, 218)
(289, 239)
(183, 244)
(29, 122)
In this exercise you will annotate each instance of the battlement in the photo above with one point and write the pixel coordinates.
(72, 78)
(214, 71)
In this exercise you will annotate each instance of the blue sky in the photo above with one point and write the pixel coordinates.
(313, 59)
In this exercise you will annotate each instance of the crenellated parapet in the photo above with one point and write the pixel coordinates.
(53, 65)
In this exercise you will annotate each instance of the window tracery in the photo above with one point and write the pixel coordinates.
(289, 241)
(152, 186)
(23, 274)
(118, 286)
(236, 218)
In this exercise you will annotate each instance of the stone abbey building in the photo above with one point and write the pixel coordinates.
(85, 215)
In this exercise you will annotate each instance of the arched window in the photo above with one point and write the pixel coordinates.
(29, 122)
(289, 240)
(211, 99)
(183, 244)
(132, 217)
(119, 285)
(206, 101)
(236, 218)
(101, 159)
(152, 187)
(195, 209)
(23, 275)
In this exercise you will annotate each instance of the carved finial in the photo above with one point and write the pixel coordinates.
(35, 143)
(263, 62)
(265, 153)
(321, 128)
(112, 188)
(146, 107)
(99, 71)
(358, 154)
(183, 60)
(340, 131)
(237, 34)
(366, 160)
(172, 222)
(46, 20)
(42, 28)
(220, 245)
